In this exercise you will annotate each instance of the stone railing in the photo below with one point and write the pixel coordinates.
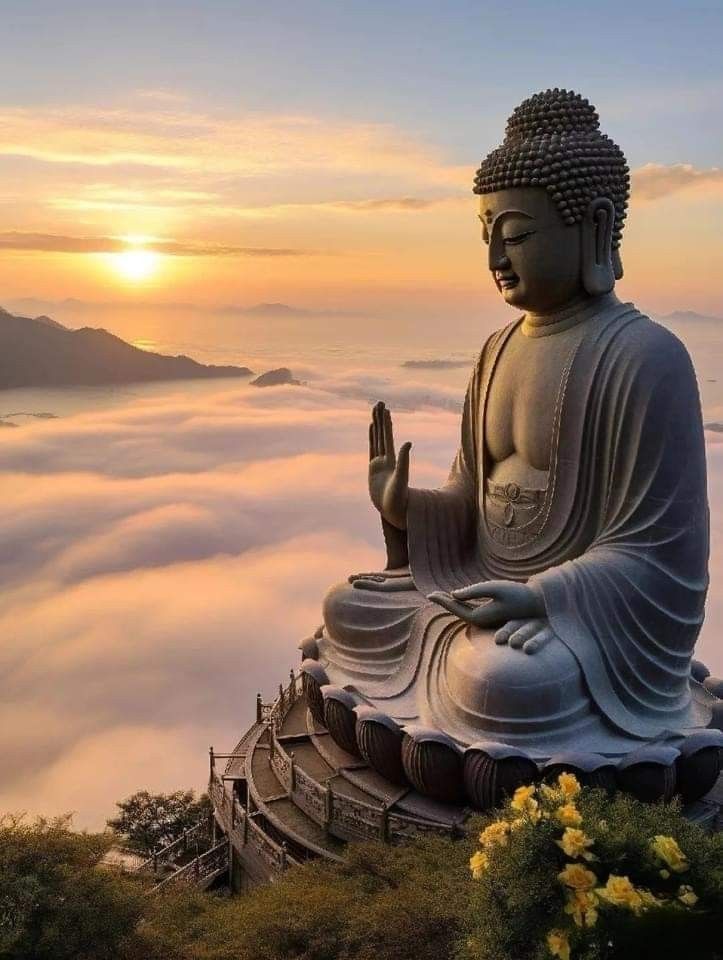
(266, 849)
(343, 816)
(220, 798)
(198, 835)
(355, 820)
(202, 870)
(243, 832)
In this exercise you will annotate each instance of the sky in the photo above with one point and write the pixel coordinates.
(322, 154)
(164, 549)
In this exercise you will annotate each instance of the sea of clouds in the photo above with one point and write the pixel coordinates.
(161, 560)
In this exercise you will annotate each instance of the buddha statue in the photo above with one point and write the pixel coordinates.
(542, 606)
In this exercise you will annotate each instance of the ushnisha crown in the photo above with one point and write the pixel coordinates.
(553, 140)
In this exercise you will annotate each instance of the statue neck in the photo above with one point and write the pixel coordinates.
(545, 324)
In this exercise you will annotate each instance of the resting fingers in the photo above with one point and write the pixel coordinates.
(526, 635)
(539, 640)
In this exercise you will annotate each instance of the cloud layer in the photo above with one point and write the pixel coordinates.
(161, 560)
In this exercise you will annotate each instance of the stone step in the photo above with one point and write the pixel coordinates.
(296, 820)
(279, 810)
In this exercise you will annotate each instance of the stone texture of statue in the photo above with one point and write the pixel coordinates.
(540, 609)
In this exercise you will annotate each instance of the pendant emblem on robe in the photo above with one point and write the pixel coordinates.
(515, 501)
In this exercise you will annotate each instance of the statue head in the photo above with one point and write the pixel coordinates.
(553, 199)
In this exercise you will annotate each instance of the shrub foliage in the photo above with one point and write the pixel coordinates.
(571, 873)
(539, 887)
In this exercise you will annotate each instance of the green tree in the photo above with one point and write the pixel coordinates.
(147, 821)
(57, 903)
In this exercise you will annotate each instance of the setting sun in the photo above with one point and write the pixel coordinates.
(135, 265)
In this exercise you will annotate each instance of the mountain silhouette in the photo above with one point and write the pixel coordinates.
(41, 352)
(688, 316)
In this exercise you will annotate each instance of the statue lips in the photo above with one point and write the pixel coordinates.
(506, 280)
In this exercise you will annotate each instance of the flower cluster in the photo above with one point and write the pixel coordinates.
(590, 881)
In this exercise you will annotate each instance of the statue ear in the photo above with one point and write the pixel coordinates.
(598, 269)
(617, 264)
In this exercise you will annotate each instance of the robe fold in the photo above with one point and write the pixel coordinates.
(619, 547)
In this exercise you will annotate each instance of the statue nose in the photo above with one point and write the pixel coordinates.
(500, 262)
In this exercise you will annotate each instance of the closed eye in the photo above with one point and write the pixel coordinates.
(518, 238)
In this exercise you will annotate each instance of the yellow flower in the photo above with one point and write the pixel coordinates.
(495, 834)
(524, 802)
(522, 797)
(569, 785)
(574, 843)
(649, 899)
(687, 896)
(558, 944)
(568, 815)
(582, 907)
(478, 863)
(549, 793)
(670, 853)
(577, 877)
(621, 893)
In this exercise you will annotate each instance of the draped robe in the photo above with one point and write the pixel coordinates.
(620, 545)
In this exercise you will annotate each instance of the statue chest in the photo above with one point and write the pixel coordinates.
(522, 417)
(522, 402)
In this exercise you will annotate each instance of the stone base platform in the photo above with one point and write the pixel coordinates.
(289, 793)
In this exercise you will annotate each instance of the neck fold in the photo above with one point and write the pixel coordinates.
(545, 324)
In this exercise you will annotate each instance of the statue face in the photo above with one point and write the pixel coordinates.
(534, 257)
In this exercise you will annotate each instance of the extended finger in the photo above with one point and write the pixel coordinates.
(505, 632)
(380, 574)
(379, 419)
(490, 614)
(540, 640)
(528, 629)
(375, 428)
(445, 600)
(374, 434)
(402, 468)
(388, 435)
(393, 585)
(488, 588)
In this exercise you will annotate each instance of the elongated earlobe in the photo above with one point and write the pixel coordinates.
(617, 264)
(598, 267)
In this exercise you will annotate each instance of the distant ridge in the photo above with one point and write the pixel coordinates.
(270, 310)
(688, 316)
(72, 306)
(439, 364)
(40, 352)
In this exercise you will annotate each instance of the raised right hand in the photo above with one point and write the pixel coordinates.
(388, 473)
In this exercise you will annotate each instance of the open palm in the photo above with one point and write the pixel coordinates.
(388, 473)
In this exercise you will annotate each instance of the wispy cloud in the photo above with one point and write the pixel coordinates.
(397, 203)
(243, 144)
(653, 181)
(51, 243)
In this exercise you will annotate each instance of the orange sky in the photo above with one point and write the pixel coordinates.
(248, 206)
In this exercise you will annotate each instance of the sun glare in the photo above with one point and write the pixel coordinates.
(135, 265)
